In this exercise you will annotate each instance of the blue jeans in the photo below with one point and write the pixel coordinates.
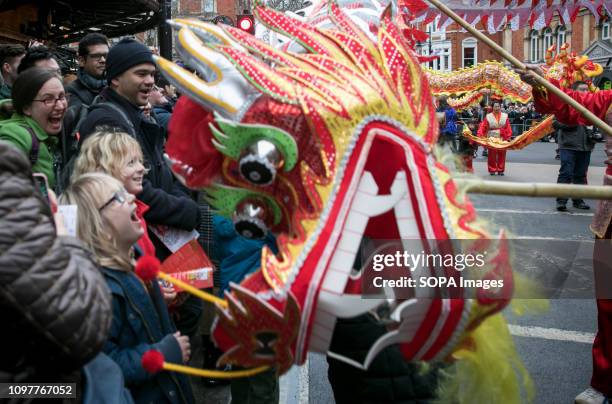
(573, 170)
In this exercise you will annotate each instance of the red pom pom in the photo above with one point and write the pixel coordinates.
(152, 361)
(147, 267)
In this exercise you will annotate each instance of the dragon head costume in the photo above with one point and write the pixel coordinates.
(322, 148)
(567, 67)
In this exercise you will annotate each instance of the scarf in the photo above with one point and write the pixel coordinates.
(91, 82)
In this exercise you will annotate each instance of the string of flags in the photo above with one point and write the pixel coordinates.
(496, 15)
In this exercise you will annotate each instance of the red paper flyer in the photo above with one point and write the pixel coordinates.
(191, 265)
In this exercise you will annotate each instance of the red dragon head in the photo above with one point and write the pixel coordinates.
(322, 148)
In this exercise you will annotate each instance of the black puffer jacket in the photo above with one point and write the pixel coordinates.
(80, 93)
(56, 308)
(571, 137)
(389, 379)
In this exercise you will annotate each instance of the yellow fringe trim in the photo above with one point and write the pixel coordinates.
(487, 369)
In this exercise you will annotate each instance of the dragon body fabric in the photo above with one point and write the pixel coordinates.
(491, 76)
(323, 148)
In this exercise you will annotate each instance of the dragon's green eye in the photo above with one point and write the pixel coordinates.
(260, 149)
(253, 213)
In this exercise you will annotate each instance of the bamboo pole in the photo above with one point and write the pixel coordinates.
(605, 128)
(190, 289)
(214, 374)
(534, 189)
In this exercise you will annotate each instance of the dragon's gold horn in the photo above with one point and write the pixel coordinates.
(209, 96)
(208, 33)
(223, 88)
(199, 56)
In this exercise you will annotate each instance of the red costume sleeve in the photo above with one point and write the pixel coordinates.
(483, 129)
(506, 131)
(548, 103)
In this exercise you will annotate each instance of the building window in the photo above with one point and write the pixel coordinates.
(560, 37)
(443, 62)
(534, 46)
(470, 52)
(605, 30)
(434, 31)
(209, 6)
(548, 39)
(446, 61)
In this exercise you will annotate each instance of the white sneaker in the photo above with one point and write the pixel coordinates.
(590, 396)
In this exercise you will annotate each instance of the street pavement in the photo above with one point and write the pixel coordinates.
(555, 345)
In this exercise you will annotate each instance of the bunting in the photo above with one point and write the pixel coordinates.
(496, 15)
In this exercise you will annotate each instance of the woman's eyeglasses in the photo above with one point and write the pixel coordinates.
(52, 101)
(119, 196)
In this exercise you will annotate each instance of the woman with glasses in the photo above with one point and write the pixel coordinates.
(109, 226)
(40, 103)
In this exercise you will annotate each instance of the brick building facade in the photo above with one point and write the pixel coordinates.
(458, 48)
(208, 9)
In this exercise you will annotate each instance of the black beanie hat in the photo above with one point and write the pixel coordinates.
(126, 54)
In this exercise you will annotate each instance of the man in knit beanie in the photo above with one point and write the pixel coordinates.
(130, 71)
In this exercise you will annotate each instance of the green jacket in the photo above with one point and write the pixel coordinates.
(14, 131)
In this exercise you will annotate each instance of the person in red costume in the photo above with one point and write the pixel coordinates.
(600, 104)
(496, 124)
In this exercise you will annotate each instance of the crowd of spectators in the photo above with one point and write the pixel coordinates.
(97, 139)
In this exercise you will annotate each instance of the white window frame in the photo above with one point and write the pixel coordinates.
(433, 28)
(561, 35)
(469, 43)
(442, 50)
(204, 3)
(605, 30)
(548, 39)
(534, 46)
(446, 60)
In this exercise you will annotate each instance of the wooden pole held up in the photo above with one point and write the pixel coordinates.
(534, 189)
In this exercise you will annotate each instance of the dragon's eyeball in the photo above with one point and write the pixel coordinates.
(252, 218)
(259, 162)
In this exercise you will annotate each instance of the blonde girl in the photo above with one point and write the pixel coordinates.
(108, 224)
(119, 155)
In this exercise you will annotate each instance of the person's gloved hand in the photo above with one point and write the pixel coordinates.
(528, 75)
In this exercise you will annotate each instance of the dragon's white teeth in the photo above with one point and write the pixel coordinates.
(180, 169)
(351, 305)
(332, 302)
(366, 204)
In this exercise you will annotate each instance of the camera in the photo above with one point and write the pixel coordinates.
(595, 136)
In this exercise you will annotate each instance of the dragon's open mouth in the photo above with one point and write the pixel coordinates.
(382, 196)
